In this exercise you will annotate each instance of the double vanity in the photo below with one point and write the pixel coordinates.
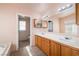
(57, 45)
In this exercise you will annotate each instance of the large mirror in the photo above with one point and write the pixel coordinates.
(40, 23)
(70, 28)
(68, 24)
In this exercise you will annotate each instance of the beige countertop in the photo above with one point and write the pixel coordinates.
(73, 42)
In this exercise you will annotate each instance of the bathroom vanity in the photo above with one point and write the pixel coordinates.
(56, 45)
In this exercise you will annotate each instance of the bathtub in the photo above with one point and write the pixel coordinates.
(4, 49)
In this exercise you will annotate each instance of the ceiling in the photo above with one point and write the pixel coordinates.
(40, 9)
(43, 9)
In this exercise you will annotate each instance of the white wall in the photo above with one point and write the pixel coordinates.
(9, 22)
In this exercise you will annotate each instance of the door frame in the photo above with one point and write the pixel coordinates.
(17, 43)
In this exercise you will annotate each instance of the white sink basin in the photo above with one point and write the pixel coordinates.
(68, 39)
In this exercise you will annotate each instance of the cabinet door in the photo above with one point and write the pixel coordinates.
(54, 49)
(66, 51)
(77, 13)
(39, 41)
(36, 41)
(45, 46)
(75, 53)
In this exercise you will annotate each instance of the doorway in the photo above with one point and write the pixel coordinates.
(24, 31)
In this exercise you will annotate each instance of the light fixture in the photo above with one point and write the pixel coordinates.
(65, 7)
(68, 5)
(59, 9)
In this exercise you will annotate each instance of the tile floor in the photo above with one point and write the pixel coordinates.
(24, 43)
(34, 51)
(26, 50)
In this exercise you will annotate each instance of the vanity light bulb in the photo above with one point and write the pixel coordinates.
(68, 5)
(59, 9)
(63, 7)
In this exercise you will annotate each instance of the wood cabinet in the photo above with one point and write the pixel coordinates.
(45, 46)
(75, 52)
(54, 49)
(38, 41)
(66, 51)
(69, 51)
(77, 13)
